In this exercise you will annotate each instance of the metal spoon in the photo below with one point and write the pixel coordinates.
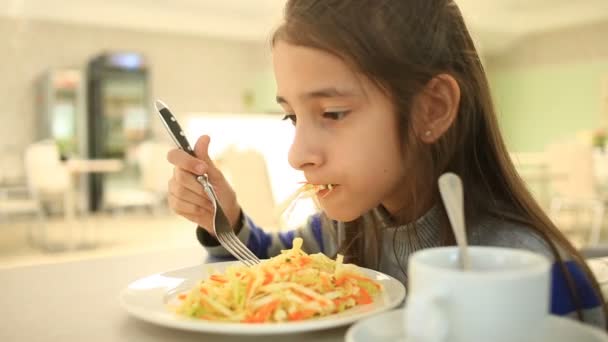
(450, 187)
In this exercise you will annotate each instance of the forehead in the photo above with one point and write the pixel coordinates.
(302, 69)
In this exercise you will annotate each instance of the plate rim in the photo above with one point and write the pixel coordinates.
(182, 323)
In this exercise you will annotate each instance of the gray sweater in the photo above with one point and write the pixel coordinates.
(398, 242)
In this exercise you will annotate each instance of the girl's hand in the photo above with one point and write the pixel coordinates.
(187, 197)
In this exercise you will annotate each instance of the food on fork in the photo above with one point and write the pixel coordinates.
(291, 286)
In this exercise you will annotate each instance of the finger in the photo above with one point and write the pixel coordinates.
(189, 196)
(201, 222)
(201, 150)
(181, 159)
(183, 208)
(187, 180)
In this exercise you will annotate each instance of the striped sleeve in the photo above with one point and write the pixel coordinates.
(315, 233)
(564, 304)
(501, 233)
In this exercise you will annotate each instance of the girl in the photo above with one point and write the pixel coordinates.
(385, 96)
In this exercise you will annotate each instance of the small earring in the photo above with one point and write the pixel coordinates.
(427, 133)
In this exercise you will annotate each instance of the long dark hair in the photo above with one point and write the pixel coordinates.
(401, 45)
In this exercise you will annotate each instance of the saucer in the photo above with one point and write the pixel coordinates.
(556, 329)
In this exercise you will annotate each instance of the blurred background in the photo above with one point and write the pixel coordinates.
(82, 153)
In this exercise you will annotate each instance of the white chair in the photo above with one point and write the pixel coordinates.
(574, 185)
(47, 177)
(246, 171)
(600, 163)
(155, 170)
(48, 181)
(533, 169)
(17, 202)
(151, 189)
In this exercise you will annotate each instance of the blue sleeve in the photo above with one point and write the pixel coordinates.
(562, 300)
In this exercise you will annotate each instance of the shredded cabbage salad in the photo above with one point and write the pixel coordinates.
(291, 286)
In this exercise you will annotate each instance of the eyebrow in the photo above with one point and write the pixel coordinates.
(321, 93)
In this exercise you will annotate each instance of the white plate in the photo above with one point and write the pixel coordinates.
(147, 299)
(555, 329)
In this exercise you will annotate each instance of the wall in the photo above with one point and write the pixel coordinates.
(551, 86)
(191, 73)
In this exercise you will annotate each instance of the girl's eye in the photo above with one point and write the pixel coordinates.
(290, 117)
(335, 115)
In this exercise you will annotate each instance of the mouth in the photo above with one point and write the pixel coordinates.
(320, 190)
(306, 190)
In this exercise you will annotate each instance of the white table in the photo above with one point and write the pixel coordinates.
(78, 167)
(94, 165)
(78, 301)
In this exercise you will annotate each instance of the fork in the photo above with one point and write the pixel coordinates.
(221, 226)
(223, 230)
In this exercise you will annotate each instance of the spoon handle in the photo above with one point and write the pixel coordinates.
(450, 187)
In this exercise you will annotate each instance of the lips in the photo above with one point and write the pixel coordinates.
(325, 189)
(317, 187)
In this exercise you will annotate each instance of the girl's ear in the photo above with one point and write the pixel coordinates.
(435, 108)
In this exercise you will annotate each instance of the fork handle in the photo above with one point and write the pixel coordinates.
(179, 137)
(173, 128)
(208, 188)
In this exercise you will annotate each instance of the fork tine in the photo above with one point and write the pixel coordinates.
(237, 244)
(240, 247)
(223, 230)
(248, 252)
(230, 248)
(229, 245)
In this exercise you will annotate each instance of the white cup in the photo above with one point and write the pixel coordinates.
(504, 296)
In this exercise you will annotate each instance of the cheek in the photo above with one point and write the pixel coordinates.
(380, 170)
(368, 180)
(380, 159)
(377, 173)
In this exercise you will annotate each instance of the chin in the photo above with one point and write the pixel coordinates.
(339, 214)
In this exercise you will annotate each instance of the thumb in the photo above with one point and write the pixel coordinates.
(201, 150)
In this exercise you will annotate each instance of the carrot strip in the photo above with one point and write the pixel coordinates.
(268, 277)
(364, 297)
(300, 315)
(218, 278)
(263, 313)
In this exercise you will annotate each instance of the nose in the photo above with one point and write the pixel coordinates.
(306, 150)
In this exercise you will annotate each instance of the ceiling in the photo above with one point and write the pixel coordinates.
(495, 23)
